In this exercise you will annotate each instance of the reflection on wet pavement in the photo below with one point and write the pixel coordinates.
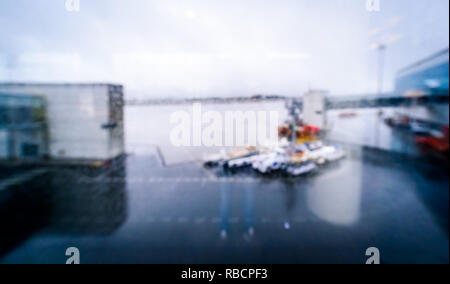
(137, 211)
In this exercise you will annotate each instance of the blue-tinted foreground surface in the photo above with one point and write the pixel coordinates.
(138, 211)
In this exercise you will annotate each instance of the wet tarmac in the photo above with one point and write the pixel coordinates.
(138, 211)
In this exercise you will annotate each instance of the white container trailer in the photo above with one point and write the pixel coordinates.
(85, 121)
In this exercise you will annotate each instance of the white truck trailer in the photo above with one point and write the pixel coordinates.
(85, 121)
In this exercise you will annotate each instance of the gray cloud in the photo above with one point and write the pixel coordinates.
(217, 48)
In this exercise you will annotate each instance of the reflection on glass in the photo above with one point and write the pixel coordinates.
(63, 201)
(336, 197)
(225, 208)
(291, 199)
(249, 208)
(248, 196)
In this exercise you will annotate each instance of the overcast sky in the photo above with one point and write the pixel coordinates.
(186, 48)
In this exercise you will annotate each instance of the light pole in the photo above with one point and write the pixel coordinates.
(381, 52)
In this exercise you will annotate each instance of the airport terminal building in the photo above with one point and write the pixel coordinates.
(61, 121)
(429, 76)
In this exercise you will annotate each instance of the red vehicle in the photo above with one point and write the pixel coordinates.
(439, 144)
